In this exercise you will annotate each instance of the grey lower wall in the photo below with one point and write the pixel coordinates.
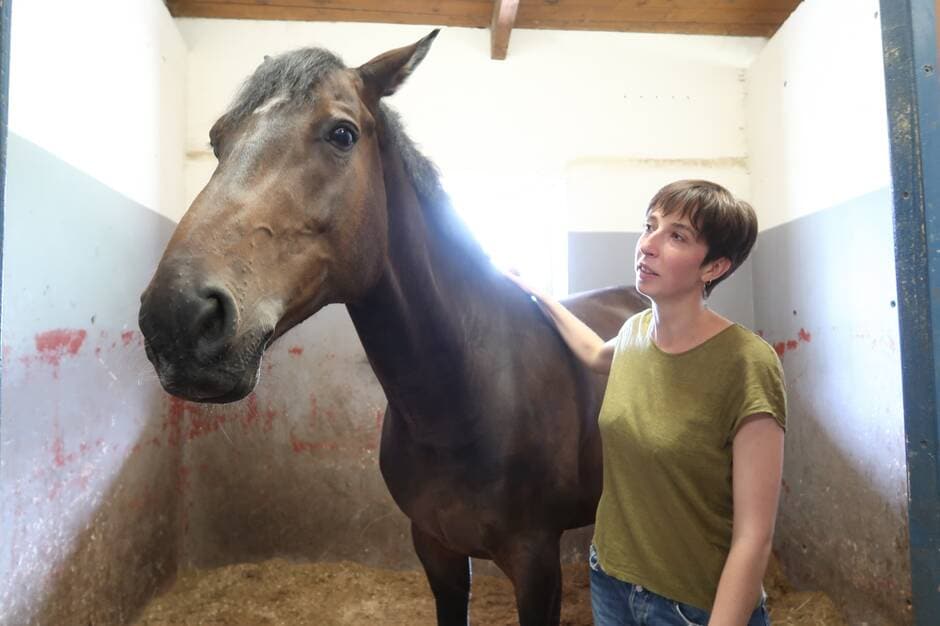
(601, 259)
(824, 293)
(88, 485)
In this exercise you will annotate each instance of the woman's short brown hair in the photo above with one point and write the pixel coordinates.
(727, 224)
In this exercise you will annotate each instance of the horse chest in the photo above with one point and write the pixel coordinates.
(457, 496)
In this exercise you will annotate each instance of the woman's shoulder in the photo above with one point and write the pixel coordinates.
(636, 324)
(750, 345)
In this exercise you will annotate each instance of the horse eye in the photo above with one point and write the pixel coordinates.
(343, 137)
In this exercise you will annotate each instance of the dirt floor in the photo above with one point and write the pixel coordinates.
(279, 592)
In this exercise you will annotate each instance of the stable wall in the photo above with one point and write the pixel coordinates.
(89, 471)
(293, 470)
(825, 296)
(96, 470)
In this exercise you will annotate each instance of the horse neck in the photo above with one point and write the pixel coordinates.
(417, 324)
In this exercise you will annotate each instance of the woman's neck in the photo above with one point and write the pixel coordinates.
(678, 326)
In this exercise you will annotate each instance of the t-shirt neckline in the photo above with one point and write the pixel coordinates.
(648, 322)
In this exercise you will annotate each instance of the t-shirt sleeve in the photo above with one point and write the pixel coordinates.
(762, 389)
(628, 332)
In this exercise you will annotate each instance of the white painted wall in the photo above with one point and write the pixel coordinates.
(562, 107)
(612, 194)
(88, 501)
(101, 86)
(816, 117)
(825, 295)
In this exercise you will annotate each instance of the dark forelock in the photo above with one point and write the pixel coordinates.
(294, 74)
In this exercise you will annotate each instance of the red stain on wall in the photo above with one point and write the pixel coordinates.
(173, 422)
(782, 347)
(299, 445)
(59, 457)
(268, 420)
(127, 337)
(251, 411)
(194, 421)
(52, 345)
(58, 450)
(313, 411)
(202, 420)
(296, 351)
(377, 438)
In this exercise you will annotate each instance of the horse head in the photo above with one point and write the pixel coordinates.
(293, 218)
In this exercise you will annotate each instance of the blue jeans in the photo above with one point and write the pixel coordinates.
(618, 603)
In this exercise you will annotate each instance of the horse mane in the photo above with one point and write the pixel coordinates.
(296, 74)
(425, 178)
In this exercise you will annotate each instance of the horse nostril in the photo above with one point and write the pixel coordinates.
(216, 320)
(211, 320)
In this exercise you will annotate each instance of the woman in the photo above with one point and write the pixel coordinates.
(691, 426)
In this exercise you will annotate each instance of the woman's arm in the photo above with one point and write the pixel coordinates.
(757, 469)
(587, 345)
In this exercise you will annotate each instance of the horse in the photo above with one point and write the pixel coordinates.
(490, 442)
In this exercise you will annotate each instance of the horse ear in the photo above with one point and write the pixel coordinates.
(384, 74)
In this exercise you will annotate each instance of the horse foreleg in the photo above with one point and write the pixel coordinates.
(449, 576)
(532, 564)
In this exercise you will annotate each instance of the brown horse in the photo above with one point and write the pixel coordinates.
(490, 443)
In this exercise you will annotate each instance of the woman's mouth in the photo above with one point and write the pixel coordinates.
(644, 270)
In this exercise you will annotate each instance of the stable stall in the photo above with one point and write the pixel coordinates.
(552, 124)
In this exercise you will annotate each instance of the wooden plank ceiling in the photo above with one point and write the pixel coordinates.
(703, 17)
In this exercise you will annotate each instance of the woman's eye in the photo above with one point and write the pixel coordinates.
(678, 237)
(343, 137)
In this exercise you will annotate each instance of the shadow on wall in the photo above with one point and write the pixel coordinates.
(837, 531)
(826, 302)
(292, 470)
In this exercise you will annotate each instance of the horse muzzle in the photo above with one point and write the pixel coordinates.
(190, 325)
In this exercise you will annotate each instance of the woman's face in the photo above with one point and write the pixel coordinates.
(669, 257)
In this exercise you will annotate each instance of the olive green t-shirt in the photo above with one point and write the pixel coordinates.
(667, 422)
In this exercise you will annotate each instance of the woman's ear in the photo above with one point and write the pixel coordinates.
(713, 270)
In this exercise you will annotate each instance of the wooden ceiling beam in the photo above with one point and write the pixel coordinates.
(504, 17)
(468, 13)
(714, 17)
